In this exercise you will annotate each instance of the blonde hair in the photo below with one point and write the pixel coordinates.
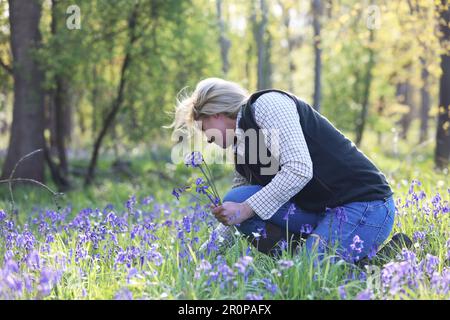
(211, 96)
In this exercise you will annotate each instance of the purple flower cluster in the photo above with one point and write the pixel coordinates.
(399, 278)
(143, 237)
(208, 188)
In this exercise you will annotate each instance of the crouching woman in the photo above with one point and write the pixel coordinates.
(317, 184)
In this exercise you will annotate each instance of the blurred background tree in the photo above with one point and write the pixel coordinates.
(372, 67)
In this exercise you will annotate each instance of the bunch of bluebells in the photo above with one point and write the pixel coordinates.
(203, 186)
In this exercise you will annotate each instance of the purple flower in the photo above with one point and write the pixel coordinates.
(270, 286)
(306, 229)
(290, 211)
(226, 272)
(431, 263)
(2, 215)
(133, 272)
(448, 249)
(123, 294)
(187, 224)
(419, 235)
(365, 295)
(373, 251)
(204, 265)
(253, 296)
(194, 159)
(147, 200)
(262, 231)
(285, 264)
(131, 202)
(155, 257)
(49, 278)
(357, 244)
(201, 189)
(33, 260)
(342, 292)
(242, 264)
(341, 216)
(175, 193)
(409, 256)
(50, 238)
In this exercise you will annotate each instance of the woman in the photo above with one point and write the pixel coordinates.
(323, 187)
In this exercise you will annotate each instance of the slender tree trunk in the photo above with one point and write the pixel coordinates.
(317, 9)
(442, 151)
(27, 131)
(110, 117)
(224, 42)
(290, 61)
(380, 110)
(263, 48)
(58, 127)
(404, 95)
(366, 94)
(425, 102)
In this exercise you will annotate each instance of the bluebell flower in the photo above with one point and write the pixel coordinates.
(365, 295)
(187, 224)
(194, 159)
(285, 264)
(253, 296)
(123, 294)
(306, 229)
(290, 211)
(342, 292)
(357, 244)
(2, 215)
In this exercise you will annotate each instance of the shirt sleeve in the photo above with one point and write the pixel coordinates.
(277, 113)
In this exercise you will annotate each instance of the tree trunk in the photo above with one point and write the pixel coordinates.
(27, 130)
(380, 114)
(58, 126)
(317, 9)
(425, 102)
(263, 48)
(290, 61)
(442, 152)
(224, 42)
(110, 117)
(404, 95)
(366, 94)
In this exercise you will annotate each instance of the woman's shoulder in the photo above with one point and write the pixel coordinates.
(274, 101)
(271, 96)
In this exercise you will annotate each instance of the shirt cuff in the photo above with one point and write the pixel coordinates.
(263, 209)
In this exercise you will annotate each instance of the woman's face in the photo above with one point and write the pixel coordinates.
(219, 129)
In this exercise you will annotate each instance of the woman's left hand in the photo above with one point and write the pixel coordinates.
(232, 213)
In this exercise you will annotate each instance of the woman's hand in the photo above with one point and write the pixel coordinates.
(232, 213)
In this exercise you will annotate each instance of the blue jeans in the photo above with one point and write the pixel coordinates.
(354, 230)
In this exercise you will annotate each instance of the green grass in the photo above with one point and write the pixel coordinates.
(176, 278)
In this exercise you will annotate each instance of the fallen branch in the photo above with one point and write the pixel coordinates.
(10, 179)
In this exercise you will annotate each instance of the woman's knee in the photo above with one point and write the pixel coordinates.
(242, 193)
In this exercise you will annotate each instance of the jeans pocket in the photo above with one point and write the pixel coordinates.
(380, 213)
(353, 213)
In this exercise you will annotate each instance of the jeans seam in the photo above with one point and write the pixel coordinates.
(383, 226)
